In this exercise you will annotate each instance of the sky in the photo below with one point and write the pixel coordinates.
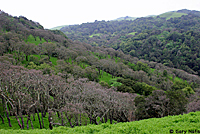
(52, 13)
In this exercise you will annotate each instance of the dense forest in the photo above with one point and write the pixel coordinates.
(45, 74)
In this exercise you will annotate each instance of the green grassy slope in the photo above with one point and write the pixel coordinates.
(35, 41)
(58, 27)
(126, 18)
(188, 123)
(169, 15)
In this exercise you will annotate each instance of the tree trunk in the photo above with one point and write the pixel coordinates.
(62, 119)
(76, 120)
(90, 121)
(58, 114)
(39, 118)
(7, 113)
(26, 57)
(3, 104)
(22, 119)
(50, 119)
(80, 120)
(42, 119)
(2, 119)
(31, 121)
(18, 120)
(49, 57)
(106, 119)
(28, 118)
(34, 116)
(69, 120)
(111, 117)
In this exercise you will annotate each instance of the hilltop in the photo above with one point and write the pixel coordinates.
(125, 18)
(179, 13)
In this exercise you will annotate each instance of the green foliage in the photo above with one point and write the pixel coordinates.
(114, 82)
(104, 84)
(140, 111)
(139, 66)
(127, 82)
(165, 73)
(46, 68)
(124, 88)
(131, 86)
(143, 88)
(178, 102)
(179, 85)
(188, 91)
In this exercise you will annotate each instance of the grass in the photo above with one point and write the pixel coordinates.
(58, 27)
(106, 77)
(186, 122)
(169, 15)
(15, 125)
(176, 79)
(53, 60)
(36, 40)
(98, 34)
(133, 33)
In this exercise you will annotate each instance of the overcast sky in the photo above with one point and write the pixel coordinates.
(52, 13)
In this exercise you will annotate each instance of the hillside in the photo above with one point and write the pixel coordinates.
(47, 80)
(125, 18)
(162, 39)
(58, 27)
(170, 15)
(187, 123)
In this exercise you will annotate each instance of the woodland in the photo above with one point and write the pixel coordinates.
(98, 73)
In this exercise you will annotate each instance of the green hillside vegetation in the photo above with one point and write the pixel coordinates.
(133, 33)
(98, 34)
(58, 27)
(174, 124)
(34, 40)
(125, 18)
(170, 15)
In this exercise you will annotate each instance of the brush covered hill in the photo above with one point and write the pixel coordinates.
(171, 38)
(48, 80)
